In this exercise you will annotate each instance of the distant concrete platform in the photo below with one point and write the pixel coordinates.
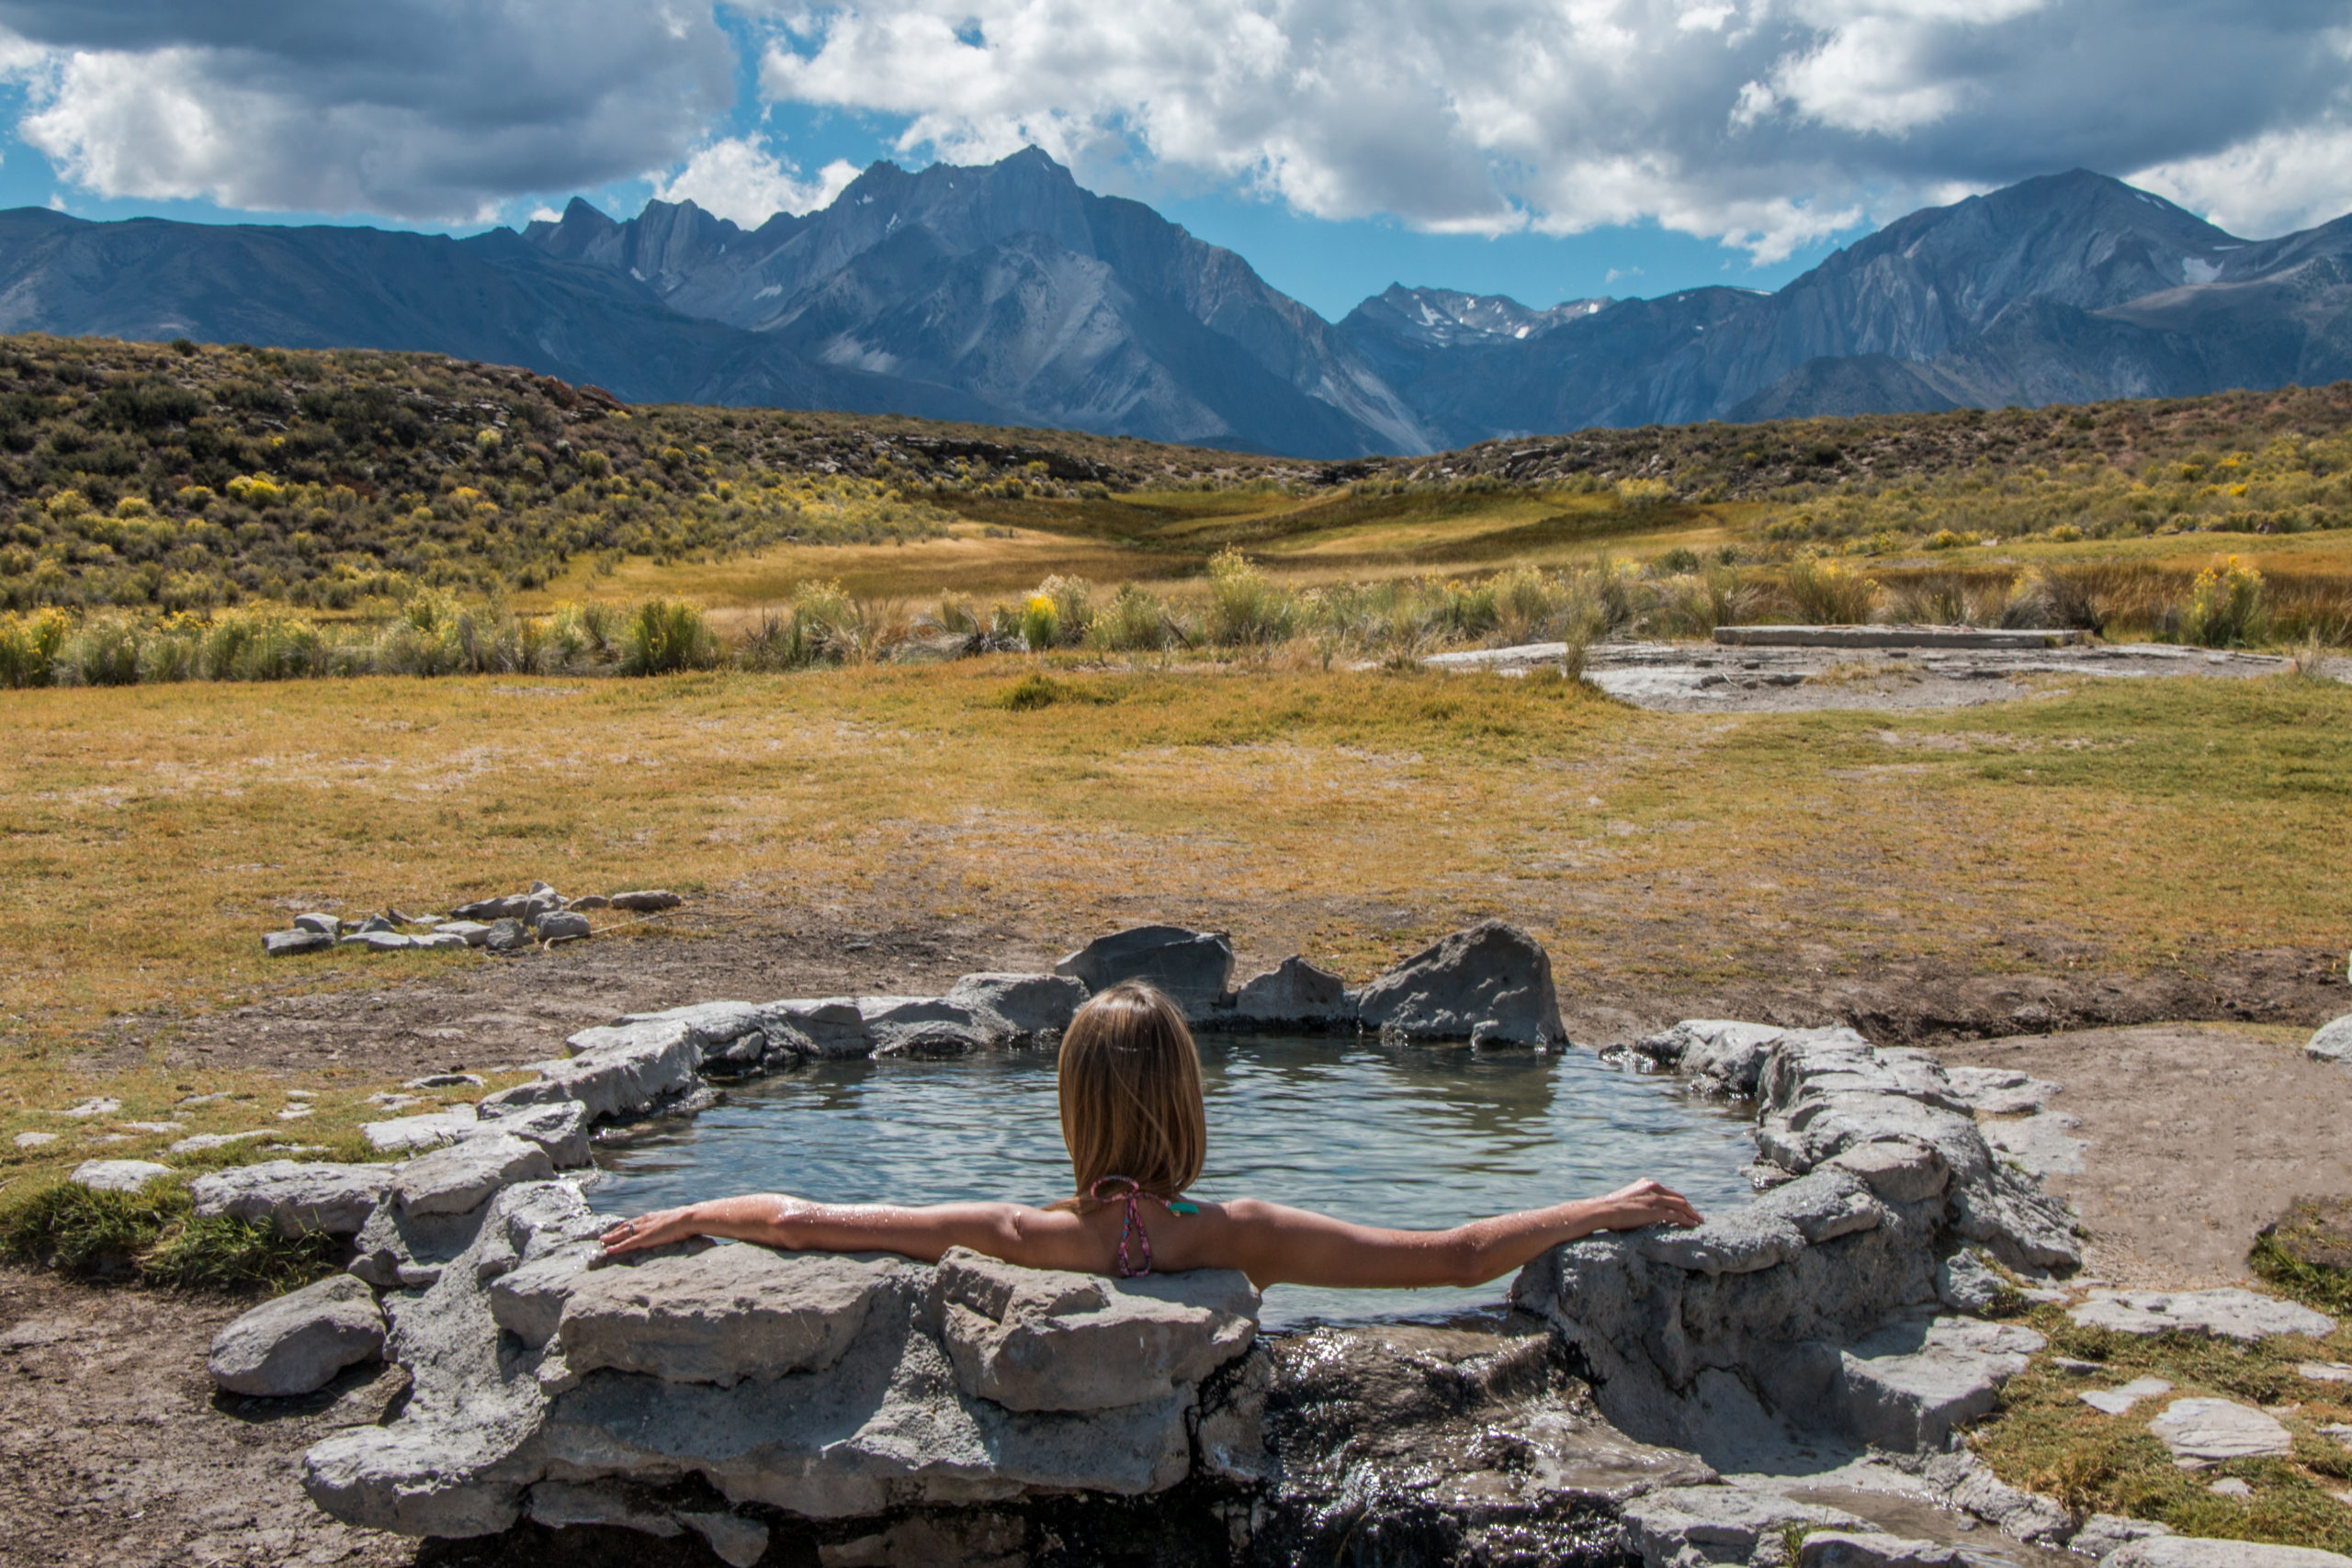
(1891, 637)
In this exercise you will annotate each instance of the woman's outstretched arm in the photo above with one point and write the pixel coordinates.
(1038, 1238)
(1278, 1245)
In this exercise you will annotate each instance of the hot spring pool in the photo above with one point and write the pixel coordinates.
(1416, 1137)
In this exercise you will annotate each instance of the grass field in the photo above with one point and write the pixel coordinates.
(150, 834)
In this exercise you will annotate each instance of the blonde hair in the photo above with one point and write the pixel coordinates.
(1130, 1083)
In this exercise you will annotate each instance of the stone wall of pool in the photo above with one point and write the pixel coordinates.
(868, 1409)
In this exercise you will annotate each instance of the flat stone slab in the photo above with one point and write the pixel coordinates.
(298, 1199)
(1908, 1385)
(461, 1177)
(117, 1175)
(2195, 1552)
(2325, 1372)
(2230, 1312)
(2209, 1430)
(410, 1134)
(1890, 637)
(722, 1315)
(2117, 1401)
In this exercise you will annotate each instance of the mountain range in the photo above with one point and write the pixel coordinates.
(1009, 294)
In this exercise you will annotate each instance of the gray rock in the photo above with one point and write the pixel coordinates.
(34, 1139)
(2119, 1401)
(509, 907)
(2332, 1041)
(1192, 967)
(733, 1540)
(1721, 1054)
(2102, 1533)
(379, 941)
(1724, 1524)
(562, 926)
(445, 1080)
(2210, 1430)
(1965, 1284)
(461, 1177)
(1871, 1549)
(507, 936)
(1734, 1241)
(440, 941)
(2025, 1227)
(726, 1314)
(102, 1105)
(1967, 1483)
(1999, 1091)
(833, 1028)
(1825, 1204)
(117, 1175)
(325, 925)
(589, 901)
(2325, 1372)
(298, 1343)
(374, 924)
(1490, 984)
(473, 933)
(1900, 1170)
(528, 1300)
(410, 1135)
(1039, 1339)
(2041, 1144)
(929, 1026)
(2193, 1552)
(1293, 995)
(624, 1069)
(295, 1198)
(285, 944)
(647, 901)
(559, 1127)
(1908, 1386)
(2230, 1312)
(1033, 1008)
(200, 1143)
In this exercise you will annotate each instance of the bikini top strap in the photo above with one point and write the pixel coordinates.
(1126, 1190)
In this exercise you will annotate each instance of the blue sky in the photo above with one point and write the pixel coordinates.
(1524, 147)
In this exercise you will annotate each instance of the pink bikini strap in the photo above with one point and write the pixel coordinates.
(1125, 1187)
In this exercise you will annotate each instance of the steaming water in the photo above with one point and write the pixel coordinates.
(1416, 1138)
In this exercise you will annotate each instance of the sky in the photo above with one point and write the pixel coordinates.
(1549, 149)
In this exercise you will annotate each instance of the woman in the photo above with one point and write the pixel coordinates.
(1137, 1132)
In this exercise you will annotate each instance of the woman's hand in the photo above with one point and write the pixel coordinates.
(659, 1228)
(1645, 1202)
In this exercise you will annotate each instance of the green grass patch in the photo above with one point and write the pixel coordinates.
(2307, 1254)
(154, 1237)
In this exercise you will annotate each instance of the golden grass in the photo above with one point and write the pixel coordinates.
(150, 833)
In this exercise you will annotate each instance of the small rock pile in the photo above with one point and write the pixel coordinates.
(539, 918)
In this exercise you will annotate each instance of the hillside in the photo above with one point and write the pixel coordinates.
(182, 477)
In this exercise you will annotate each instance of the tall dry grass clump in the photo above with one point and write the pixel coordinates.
(1829, 593)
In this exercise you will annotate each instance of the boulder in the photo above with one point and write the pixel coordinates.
(473, 933)
(507, 936)
(2332, 1043)
(410, 1135)
(528, 1300)
(1034, 1008)
(1192, 967)
(589, 901)
(723, 1315)
(618, 1070)
(928, 1026)
(294, 1198)
(379, 941)
(117, 1175)
(1294, 995)
(285, 944)
(559, 1127)
(509, 907)
(461, 1177)
(2201, 1432)
(2230, 1314)
(833, 1028)
(1733, 1241)
(1723, 1055)
(647, 901)
(562, 926)
(2193, 1552)
(1041, 1340)
(1490, 985)
(325, 925)
(298, 1343)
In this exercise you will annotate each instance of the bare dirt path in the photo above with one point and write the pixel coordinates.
(2198, 1135)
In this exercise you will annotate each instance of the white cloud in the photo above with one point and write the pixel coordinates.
(2271, 184)
(1767, 123)
(419, 109)
(738, 178)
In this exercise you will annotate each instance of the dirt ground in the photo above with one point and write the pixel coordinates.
(2197, 1136)
(506, 1011)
